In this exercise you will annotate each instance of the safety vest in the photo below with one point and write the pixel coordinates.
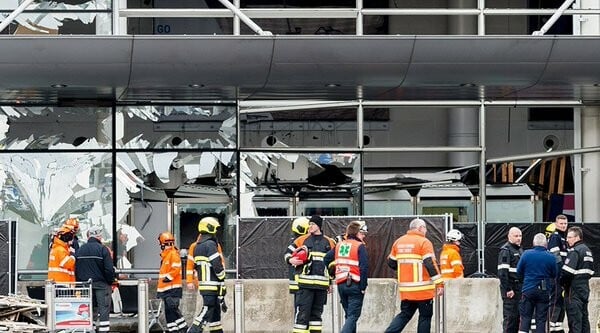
(414, 281)
(61, 264)
(346, 261)
(451, 264)
(170, 268)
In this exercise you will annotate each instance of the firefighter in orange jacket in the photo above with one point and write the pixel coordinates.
(61, 264)
(451, 263)
(313, 279)
(418, 275)
(169, 287)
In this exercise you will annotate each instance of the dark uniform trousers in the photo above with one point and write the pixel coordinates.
(309, 308)
(510, 310)
(534, 301)
(101, 297)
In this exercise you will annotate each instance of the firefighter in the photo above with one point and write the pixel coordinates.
(510, 284)
(210, 267)
(351, 272)
(575, 277)
(313, 279)
(61, 264)
(451, 264)
(191, 277)
(169, 287)
(413, 258)
(300, 227)
(557, 245)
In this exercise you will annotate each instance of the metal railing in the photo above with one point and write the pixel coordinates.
(358, 13)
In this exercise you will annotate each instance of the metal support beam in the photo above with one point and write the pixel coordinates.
(245, 18)
(553, 18)
(8, 20)
(544, 155)
(481, 217)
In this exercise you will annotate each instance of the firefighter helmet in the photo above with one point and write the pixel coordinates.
(73, 222)
(550, 228)
(65, 233)
(454, 235)
(300, 226)
(208, 225)
(166, 238)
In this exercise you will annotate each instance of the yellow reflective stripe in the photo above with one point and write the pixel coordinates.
(60, 270)
(343, 261)
(165, 288)
(421, 288)
(408, 256)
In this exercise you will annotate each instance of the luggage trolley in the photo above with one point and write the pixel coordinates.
(69, 307)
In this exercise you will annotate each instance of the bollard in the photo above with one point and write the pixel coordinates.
(49, 297)
(335, 312)
(142, 306)
(238, 306)
(437, 312)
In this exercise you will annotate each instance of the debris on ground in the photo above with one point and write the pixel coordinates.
(19, 313)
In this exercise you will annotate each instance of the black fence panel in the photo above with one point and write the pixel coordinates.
(262, 242)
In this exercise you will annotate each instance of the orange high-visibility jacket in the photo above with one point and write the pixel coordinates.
(451, 263)
(61, 264)
(418, 273)
(190, 267)
(170, 268)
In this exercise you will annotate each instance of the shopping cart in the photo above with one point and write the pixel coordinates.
(70, 307)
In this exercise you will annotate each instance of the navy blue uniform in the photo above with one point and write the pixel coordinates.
(93, 262)
(538, 269)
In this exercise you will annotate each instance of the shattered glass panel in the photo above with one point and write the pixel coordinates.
(298, 128)
(42, 190)
(176, 127)
(60, 17)
(25, 128)
(199, 183)
(320, 183)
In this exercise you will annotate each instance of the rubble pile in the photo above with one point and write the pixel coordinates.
(22, 314)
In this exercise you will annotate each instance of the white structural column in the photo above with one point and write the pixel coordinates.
(590, 129)
(463, 123)
(590, 164)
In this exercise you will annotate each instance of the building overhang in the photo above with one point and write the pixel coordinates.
(57, 69)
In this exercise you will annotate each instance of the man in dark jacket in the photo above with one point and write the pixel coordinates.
(575, 277)
(557, 245)
(538, 270)
(351, 272)
(510, 284)
(93, 262)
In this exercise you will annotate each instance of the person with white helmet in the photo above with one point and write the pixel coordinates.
(451, 264)
(210, 266)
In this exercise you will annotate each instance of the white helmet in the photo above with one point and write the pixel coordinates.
(363, 227)
(454, 235)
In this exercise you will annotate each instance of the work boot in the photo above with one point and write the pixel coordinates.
(193, 329)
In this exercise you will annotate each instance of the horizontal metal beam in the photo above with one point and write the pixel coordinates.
(282, 105)
(338, 12)
(557, 153)
(292, 150)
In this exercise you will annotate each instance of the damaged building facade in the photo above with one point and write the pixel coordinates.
(144, 116)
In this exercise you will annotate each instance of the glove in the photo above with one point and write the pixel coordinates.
(166, 279)
(224, 307)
